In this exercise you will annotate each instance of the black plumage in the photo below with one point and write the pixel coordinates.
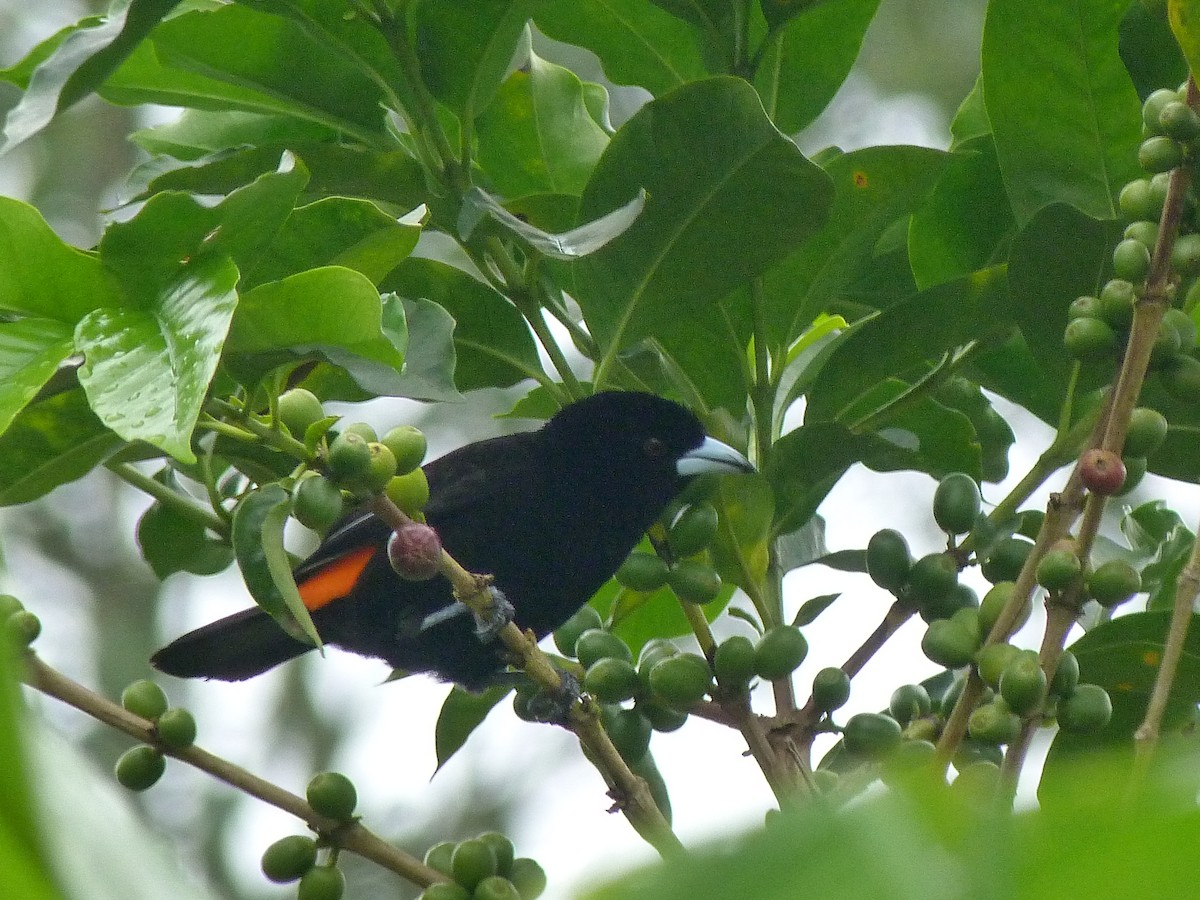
(550, 514)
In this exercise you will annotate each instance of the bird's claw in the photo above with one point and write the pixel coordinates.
(488, 626)
(554, 707)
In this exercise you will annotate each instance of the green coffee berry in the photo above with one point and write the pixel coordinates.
(144, 698)
(569, 632)
(643, 572)
(332, 794)
(139, 768)
(289, 858)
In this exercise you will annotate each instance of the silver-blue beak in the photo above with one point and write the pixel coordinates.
(712, 456)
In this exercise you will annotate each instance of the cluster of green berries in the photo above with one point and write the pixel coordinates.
(358, 462)
(689, 574)
(1098, 326)
(294, 858)
(140, 767)
(21, 626)
(483, 868)
(666, 682)
(902, 738)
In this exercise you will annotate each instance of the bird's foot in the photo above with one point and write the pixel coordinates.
(489, 625)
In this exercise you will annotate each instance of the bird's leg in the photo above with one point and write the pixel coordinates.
(489, 624)
(554, 707)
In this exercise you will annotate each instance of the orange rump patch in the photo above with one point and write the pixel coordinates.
(335, 580)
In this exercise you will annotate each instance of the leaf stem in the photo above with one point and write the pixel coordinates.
(173, 500)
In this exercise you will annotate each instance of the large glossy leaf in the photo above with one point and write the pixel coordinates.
(150, 250)
(258, 522)
(724, 189)
(537, 136)
(44, 277)
(30, 352)
(1123, 657)
(1057, 256)
(964, 223)
(872, 189)
(906, 339)
(76, 63)
(146, 371)
(336, 231)
(805, 465)
(340, 170)
(233, 57)
(1062, 108)
(637, 42)
(50, 443)
(810, 57)
(465, 49)
(925, 434)
(492, 341)
(430, 362)
(331, 312)
(195, 133)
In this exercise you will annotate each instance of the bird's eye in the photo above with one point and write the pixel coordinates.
(654, 447)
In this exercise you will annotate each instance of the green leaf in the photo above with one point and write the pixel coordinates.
(146, 372)
(637, 42)
(723, 189)
(1158, 536)
(51, 443)
(1149, 50)
(258, 522)
(580, 241)
(1184, 16)
(740, 552)
(465, 49)
(1057, 256)
(1063, 111)
(810, 57)
(199, 132)
(873, 188)
(150, 250)
(806, 463)
(171, 542)
(1123, 657)
(233, 57)
(336, 231)
(537, 135)
(44, 277)
(970, 120)
(461, 714)
(391, 177)
(492, 341)
(78, 62)
(810, 609)
(30, 352)
(908, 337)
(430, 362)
(964, 223)
(26, 869)
(867, 848)
(332, 312)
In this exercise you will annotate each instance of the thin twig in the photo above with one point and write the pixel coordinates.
(351, 836)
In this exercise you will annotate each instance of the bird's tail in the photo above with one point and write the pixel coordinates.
(231, 649)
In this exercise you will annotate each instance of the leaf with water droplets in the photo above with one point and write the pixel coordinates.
(146, 371)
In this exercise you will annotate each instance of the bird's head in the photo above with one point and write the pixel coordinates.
(640, 442)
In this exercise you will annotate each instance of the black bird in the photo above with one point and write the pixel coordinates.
(550, 513)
